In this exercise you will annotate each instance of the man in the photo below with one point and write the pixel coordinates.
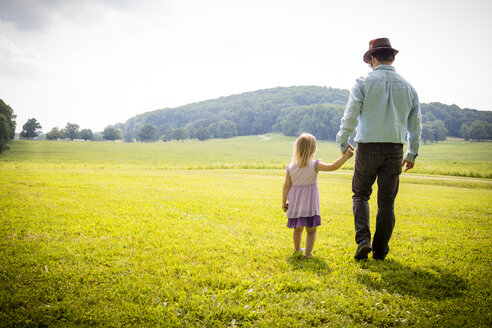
(386, 110)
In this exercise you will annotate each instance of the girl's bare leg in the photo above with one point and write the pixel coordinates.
(297, 237)
(310, 239)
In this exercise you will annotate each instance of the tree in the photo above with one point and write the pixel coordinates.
(226, 129)
(478, 131)
(428, 117)
(439, 130)
(7, 125)
(111, 134)
(465, 131)
(31, 129)
(54, 134)
(4, 133)
(179, 134)
(86, 134)
(427, 134)
(212, 130)
(167, 134)
(72, 131)
(202, 134)
(148, 132)
(97, 136)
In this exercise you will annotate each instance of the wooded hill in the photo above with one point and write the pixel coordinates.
(289, 110)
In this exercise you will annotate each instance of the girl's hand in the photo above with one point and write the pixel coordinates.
(349, 147)
(348, 153)
(285, 207)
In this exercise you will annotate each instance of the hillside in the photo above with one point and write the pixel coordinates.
(288, 110)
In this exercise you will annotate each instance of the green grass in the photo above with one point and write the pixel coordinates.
(111, 234)
(453, 157)
(456, 157)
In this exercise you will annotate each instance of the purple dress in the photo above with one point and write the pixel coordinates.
(303, 196)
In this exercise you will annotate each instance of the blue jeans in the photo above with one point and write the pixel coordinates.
(384, 162)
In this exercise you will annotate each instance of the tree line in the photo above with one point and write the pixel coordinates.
(32, 129)
(291, 110)
(440, 120)
(249, 113)
(72, 131)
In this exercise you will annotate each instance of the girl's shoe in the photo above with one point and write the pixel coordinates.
(310, 256)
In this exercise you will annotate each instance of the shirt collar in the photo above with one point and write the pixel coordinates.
(385, 67)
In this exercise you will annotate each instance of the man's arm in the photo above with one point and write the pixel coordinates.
(350, 116)
(414, 130)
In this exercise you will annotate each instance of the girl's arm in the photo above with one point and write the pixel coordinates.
(285, 191)
(336, 164)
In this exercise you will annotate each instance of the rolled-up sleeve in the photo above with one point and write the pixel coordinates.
(414, 129)
(350, 115)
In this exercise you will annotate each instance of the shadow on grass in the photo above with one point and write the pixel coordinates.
(314, 264)
(426, 282)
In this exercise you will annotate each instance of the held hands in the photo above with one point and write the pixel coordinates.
(349, 152)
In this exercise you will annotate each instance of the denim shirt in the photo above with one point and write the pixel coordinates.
(385, 108)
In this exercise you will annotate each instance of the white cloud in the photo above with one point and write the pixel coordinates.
(36, 15)
(17, 62)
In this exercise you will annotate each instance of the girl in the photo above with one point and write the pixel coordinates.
(300, 197)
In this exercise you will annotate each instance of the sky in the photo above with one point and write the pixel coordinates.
(101, 62)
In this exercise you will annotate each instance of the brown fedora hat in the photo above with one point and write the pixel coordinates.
(376, 44)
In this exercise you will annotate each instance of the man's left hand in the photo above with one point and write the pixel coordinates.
(349, 147)
(408, 165)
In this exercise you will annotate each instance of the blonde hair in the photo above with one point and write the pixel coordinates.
(304, 149)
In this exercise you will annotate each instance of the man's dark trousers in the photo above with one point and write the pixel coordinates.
(384, 162)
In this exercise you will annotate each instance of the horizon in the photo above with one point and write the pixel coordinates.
(100, 62)
(44, 132)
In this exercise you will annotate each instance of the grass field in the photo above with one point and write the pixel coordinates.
(187, 234)
(454, 157)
